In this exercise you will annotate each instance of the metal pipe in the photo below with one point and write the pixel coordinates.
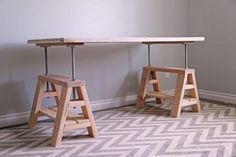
(72, 64)
(73, 70)
(186, 55)
(149, 56)
(46, 65)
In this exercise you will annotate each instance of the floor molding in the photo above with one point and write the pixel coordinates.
(218, 96)
(211, 95)
(14, 119)
(22, 118)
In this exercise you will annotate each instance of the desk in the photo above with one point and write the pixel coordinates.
(65, 121)
(72, 42)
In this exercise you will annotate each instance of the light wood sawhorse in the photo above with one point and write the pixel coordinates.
(186, 81)
(64, 120)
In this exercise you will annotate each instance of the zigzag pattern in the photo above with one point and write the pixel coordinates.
(128, 132)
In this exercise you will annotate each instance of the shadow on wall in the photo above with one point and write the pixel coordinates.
(115, 69)
(233, 2)
(18, 67)
(129, 85)
(110, 71)
(13, 97)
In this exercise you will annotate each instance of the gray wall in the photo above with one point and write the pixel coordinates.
(214, 59)
(111, 70)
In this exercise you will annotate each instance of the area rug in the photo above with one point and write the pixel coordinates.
(128, 132)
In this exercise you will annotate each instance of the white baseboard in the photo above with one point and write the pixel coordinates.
(22, 118)
(113, 103)
(14, 119)
(211, 95)
(218, 96)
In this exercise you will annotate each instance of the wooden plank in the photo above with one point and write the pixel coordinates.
(76, 120)
(87, 111)
(189, 102)
(59, 44)
(49, 40)
(194, 92)
(153, 81)
(156, 86)
(160, 95)
(144, 40)
(178, 96)
(61, 116)
(78, 103)
(143, 87)
(168, 69)
(189, 86)
(50, 94)
(69, 114)
(57, 89)
(35, 111)
(77, 126)
(54, 108)
(49, 112)
(61, 80)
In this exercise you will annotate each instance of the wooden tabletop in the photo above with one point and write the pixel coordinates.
(144, 40)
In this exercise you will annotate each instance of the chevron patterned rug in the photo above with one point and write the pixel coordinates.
(126, 132)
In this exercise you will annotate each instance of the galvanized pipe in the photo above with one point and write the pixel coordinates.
(46, 65)
(73, 70)
(186, 55)
(72, 64)
(149, 56)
